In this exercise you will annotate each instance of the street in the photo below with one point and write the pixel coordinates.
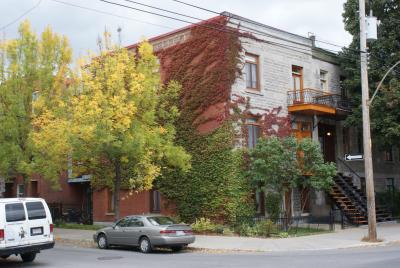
(60, 257)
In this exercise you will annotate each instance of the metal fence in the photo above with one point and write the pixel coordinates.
(292, 225)
(69, 213)
(312, 96)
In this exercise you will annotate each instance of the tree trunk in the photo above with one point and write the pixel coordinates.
(117, 189)
(288, 209)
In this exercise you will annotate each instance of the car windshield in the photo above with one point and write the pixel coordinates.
(160, 220)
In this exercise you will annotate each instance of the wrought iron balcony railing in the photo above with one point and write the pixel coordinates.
(312, 96)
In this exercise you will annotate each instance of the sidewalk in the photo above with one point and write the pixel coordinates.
(348, 238)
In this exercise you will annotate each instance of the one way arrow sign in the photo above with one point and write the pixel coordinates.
(353, 157)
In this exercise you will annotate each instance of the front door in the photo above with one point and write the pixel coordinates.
(15, 231)
(327, 136)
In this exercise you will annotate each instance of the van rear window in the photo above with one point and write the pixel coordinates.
(15, 212)
(35, 210)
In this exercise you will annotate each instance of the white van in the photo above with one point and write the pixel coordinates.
(26, 227)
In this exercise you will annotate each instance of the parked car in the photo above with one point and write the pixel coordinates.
(146, 232)
(26, 227)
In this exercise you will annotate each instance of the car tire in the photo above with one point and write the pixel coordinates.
(5, 256)
(177, 248)
(145, 245)
(28, 257)
(102, 242)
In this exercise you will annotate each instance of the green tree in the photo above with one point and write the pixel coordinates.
(281, 164)
(116, 125)
(383, 53)
(28, 66)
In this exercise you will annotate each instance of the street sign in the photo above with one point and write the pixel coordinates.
(353, 157)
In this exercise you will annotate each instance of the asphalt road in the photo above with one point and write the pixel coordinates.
(60, 257)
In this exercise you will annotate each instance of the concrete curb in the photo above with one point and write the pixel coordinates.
(88, 243)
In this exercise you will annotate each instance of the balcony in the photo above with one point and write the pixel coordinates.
(310, 101)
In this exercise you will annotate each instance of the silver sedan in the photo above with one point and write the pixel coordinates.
(146, 232)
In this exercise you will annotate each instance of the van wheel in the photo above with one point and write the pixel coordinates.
(5, 256)
(102, 241)
(28, 257)
(145, 245)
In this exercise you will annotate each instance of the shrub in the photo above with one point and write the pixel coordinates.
(266, 228)
(273, 204)
(219, 229)
(283, 235)
(203, 225)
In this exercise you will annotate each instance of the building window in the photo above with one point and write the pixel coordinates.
(297, 76)
(253, 132)
(390, 185)
(323, 80)
(155, 201)
(388, 154)
(252, 71)
(111, 204)
(34, 189)
(20, 190)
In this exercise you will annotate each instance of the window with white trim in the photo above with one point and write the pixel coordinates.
(323, 80)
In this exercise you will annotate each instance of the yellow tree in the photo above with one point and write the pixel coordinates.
(30, 66)
(118, 124)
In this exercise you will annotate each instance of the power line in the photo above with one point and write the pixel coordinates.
(222, 29)
(250, 30)
(215, 12)
(298, 49)
(317, 40)
(110, 14)
(20, 17)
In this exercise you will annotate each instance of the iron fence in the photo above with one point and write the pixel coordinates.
(312, 96)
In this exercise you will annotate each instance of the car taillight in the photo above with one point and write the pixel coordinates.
(168, 232)
(1, 234)
(51, 228)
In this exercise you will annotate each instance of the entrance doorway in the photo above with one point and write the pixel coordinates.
(327, 136)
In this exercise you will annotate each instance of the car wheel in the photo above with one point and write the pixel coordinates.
(102, 241)
(5, 256)
(145, 245)
(177, 248)
(28, 257)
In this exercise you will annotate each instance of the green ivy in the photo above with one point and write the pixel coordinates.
(216, 187)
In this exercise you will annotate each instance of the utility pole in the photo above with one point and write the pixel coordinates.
(369, 174)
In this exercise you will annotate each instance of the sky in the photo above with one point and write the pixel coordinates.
(83, 27)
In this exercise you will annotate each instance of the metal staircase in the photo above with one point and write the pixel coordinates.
(352, 202)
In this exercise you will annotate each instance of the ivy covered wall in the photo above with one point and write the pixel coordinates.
(207, 65)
